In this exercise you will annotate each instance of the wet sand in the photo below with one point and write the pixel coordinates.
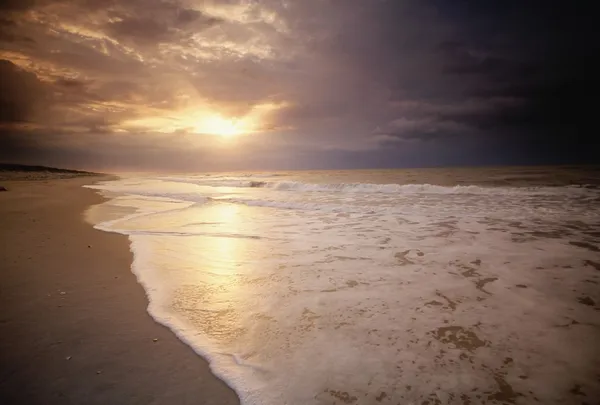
(74, 327)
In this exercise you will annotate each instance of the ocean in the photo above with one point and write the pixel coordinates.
(428, 286)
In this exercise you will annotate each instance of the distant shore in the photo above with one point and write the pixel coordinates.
(14, 172)
(74, 327)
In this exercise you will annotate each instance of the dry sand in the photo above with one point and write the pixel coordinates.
(73, 326)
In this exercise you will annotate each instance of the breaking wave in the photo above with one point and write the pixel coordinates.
(386, 188)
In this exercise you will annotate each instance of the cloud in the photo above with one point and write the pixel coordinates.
(171, 24)
(22, 95)
(16, 5)
(419, 129)
(348, 77)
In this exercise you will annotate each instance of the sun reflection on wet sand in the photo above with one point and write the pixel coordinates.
(215, 262)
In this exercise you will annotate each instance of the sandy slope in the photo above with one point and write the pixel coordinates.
(73, 325)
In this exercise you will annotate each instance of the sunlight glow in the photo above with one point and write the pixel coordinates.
(204, 121)
(217, 125)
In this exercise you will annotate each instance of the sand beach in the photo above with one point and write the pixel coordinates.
(74, 327)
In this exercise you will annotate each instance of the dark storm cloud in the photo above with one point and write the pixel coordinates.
(7, 36)
(15, 5)
(420, 129)
(21, 94)
(363, 81)
(460, 60)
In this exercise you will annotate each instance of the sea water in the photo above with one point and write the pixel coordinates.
(365, 287)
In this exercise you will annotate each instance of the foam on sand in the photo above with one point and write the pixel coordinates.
(415, 293)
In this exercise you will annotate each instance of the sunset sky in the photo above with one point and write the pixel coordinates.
(294, 84)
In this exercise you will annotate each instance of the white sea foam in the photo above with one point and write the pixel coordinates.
(382, 188)
(343, 293)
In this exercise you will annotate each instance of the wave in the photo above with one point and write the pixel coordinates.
(386, 188)
(417, 188)
(296, 205)
(165, 196)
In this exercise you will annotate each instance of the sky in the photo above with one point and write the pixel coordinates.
(196, 85)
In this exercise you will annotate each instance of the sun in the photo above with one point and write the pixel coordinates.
(217, 125)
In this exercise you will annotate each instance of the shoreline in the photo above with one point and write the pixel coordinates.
(75, 327)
